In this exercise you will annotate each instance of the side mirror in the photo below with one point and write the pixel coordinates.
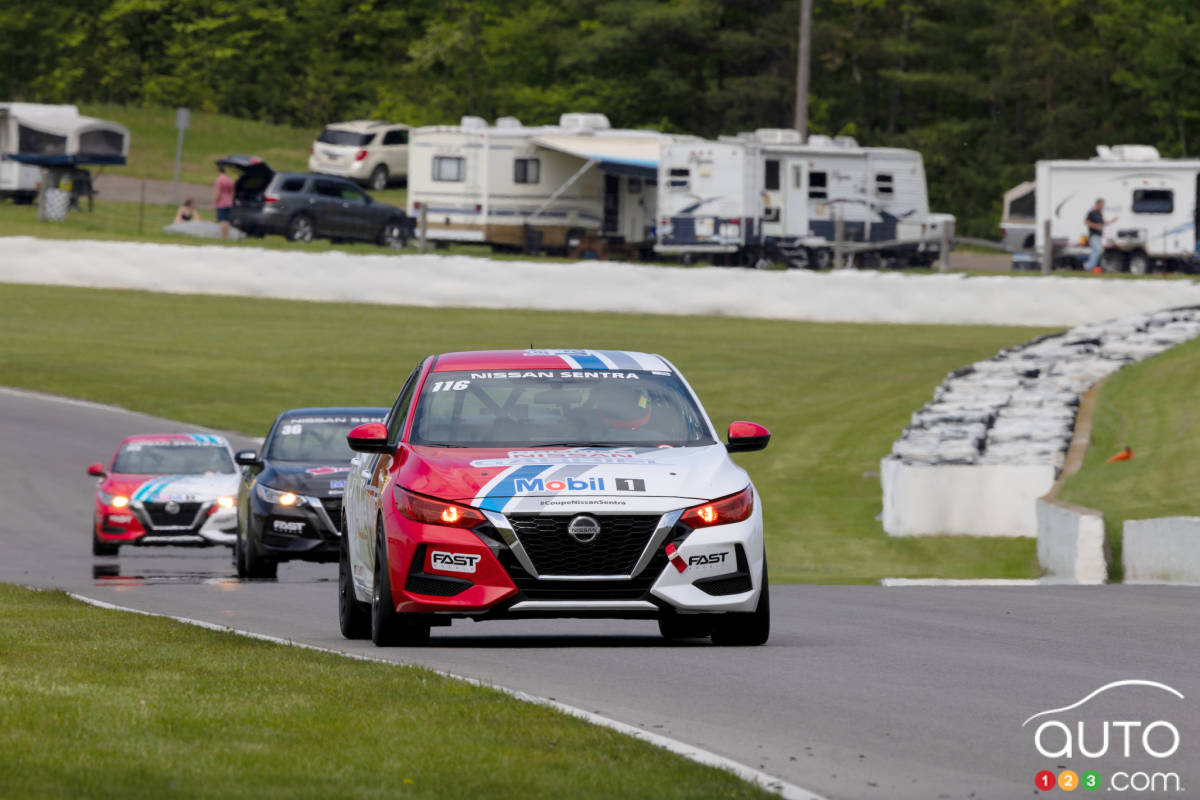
(247, 458)
(370, 437)
(97, 470)
(746, 437)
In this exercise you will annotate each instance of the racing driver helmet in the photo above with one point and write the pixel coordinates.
(621, 406)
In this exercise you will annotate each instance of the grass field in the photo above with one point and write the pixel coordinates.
(835, 396)
(1150, 407)
(100, 703)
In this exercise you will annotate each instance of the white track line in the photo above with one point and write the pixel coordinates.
(786, 790)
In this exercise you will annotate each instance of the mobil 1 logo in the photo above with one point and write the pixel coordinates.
(630, 484)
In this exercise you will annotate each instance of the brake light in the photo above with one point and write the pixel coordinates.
(423, 509)
(270, 198)
(416, 204)
(361, 155)
(734, 508)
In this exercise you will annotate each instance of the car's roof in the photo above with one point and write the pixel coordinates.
(538, 358)
(334, 411)
(365, 125)
(166, 438)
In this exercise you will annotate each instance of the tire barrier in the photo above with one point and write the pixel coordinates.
(976, 458)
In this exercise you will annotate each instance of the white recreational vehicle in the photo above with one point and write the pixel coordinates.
(1152, 200)
(33, 136)
(766, 193)
(501, 184)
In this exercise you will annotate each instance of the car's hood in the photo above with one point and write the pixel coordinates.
(180, 488)
(323, 479)
(628, 479)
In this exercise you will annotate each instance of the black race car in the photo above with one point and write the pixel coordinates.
(290, 497)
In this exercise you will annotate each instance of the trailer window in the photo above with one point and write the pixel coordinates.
(527, 170)
(771, 178)
(1153, 201)
(678, 178)
(449, 168)
(817, 185)
(883, 184)
(1023, 207)
(35, 142)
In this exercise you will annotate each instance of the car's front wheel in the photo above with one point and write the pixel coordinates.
(746, 628)
(387, 627)
(100, 548)
(393, 234)
(354, 616)
(379, 178)
(300, 228)
(256, 564)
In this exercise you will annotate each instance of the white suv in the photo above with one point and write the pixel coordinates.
(366, 151)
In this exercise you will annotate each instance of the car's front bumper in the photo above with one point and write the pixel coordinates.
(307, 531)
(134, 525)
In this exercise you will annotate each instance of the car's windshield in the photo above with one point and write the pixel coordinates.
(351, 138)
(172, 458)
(557, 407)
(314, 438)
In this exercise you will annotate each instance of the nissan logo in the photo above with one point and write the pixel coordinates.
(584, 529)
(171, 507)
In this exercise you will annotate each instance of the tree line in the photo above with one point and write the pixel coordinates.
(982, 88)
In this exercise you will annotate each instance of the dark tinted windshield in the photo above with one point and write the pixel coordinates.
(142, 458)
(335, 136)
(556, 407)
(314, 438)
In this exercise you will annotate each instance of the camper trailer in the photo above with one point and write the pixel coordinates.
(542, 186)
(35, 136)
(791, 197)
(1153, 201)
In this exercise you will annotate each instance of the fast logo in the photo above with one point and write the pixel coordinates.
(453, 562)
(525, 485)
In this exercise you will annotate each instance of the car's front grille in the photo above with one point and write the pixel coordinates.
(161, 518)
(531, 588)
(614, 551)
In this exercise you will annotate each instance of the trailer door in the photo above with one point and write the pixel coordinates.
(795, 197)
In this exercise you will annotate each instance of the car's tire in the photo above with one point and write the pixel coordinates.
(394, 234)
(239, 557)
(354, 616)
(100, 548)
(684, 626)
(388, 628)
(300, 228)
(820, 258)
(257, 565)
(749, 628)
(379, 179)
(1114, 261)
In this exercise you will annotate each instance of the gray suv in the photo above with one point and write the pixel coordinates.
(303, 206)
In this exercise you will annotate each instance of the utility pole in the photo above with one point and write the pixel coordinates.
(802, 70)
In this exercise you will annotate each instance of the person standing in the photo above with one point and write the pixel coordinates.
(1094, 221)
(223, 200)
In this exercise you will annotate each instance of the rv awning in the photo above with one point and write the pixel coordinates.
(635, 156)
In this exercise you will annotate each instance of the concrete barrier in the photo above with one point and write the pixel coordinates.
(966, 499)
(1163, 550)
(1071, 543)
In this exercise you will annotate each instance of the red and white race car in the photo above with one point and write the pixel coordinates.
(165, 488)
(551, 483)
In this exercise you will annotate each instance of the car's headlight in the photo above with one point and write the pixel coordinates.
(114, 500)
(278, 497)
(225, 502)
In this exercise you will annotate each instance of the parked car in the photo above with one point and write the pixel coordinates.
(302, 206)
(370, 152)
(290, 498)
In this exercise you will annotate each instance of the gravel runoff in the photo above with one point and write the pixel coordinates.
(1019, 406)
(460, 281)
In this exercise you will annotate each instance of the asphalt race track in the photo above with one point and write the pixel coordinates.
(862, 692)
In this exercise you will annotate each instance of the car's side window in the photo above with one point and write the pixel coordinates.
(393, 137)
(292, 185)
(328, 188)
(352, 195)
(395, 420)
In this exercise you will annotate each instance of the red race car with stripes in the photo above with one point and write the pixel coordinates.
(165, 489)
(551, 483)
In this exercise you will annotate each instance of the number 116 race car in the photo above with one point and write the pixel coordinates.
(551, 483)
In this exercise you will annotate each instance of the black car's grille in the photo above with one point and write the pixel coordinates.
(161, 518)
(553, 551)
